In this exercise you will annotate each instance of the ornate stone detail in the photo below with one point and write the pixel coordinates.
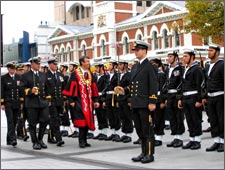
(101, 21)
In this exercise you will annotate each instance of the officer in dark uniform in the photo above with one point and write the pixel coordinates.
(215, 97)
(21, 127)
(176, 116)
(159, 116)
(190, 99)
(100, 78)
(112, 109)
(11, 99)
(65, 120)
(37, 101)
(55, 84)
(124, 108)
(143, 89)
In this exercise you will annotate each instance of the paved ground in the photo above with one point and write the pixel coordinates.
(106, 155)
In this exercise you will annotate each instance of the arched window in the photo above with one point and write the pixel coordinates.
(177, 38)
(82, 11)
(125, 46)
(155, 40)
(63, 56)
(103, 53)
(83, 50)
(57, 53)
(139, 37)
(77, 12)
(165, 39)
(69, 53)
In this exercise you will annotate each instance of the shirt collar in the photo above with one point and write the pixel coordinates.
(140, 61)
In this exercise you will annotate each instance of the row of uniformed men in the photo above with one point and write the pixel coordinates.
(186, 83)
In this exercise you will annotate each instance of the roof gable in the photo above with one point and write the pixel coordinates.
(161, 7)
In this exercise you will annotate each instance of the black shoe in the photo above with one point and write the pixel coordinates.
(138, 158)
(60, 143)
(137, 141)
(147, 159)
(207, 130)
(158, 142)
(188, 145)
(221, 148)
(102, 137)
(43, 145)
(96, 137)
(14, 143)
(36, 146)
(123, 138)
(25, 138)
(214, 147)
(52, 141)
(179, 143)
(116, 138)
(110, 137)
(172, 143)
(87, 145)
(196, 145)
(90, 136)
(64, 133)
(82, 145)
(127, 139)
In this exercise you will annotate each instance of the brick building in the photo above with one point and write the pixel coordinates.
(116, 25)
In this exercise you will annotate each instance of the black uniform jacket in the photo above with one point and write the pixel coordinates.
(161, 80)
(124, 82)
(111, 84)
(215, 80)
(143, 85)
(55, 87)
(11, 90)
(193, 80)
(28, 81)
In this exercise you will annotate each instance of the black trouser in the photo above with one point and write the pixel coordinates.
(125, 117)
(101, 117)
(35, 116)
(193, 115)
(12, 117)
(113, 115)
(216, 115)
(54, 112)
(159, 120)
(83, 131)
(144, 129)
(64, 116)
(176, 116)
(21, 127)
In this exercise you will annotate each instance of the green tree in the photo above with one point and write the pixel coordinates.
(206, 18)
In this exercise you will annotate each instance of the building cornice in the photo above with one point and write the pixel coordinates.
(151, 20)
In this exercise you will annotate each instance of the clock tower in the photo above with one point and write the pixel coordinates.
(106, 14)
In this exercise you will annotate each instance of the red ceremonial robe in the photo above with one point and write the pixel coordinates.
(82, 92)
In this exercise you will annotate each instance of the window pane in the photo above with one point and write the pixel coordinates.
(148, 3)
(139, 3)
(82, 11)
(77, 13)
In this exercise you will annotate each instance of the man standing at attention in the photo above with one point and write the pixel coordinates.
(143, 88)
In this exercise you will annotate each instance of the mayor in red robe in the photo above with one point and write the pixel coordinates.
(82, 94)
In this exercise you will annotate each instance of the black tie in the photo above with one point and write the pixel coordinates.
(55, 76)
(85, 75)
(36, 77)
(138, 65)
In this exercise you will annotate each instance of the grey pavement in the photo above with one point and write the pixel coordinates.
(106, 154)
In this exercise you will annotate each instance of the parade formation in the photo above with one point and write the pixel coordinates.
(124, 98)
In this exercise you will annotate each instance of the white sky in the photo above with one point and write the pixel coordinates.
(19, 16)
